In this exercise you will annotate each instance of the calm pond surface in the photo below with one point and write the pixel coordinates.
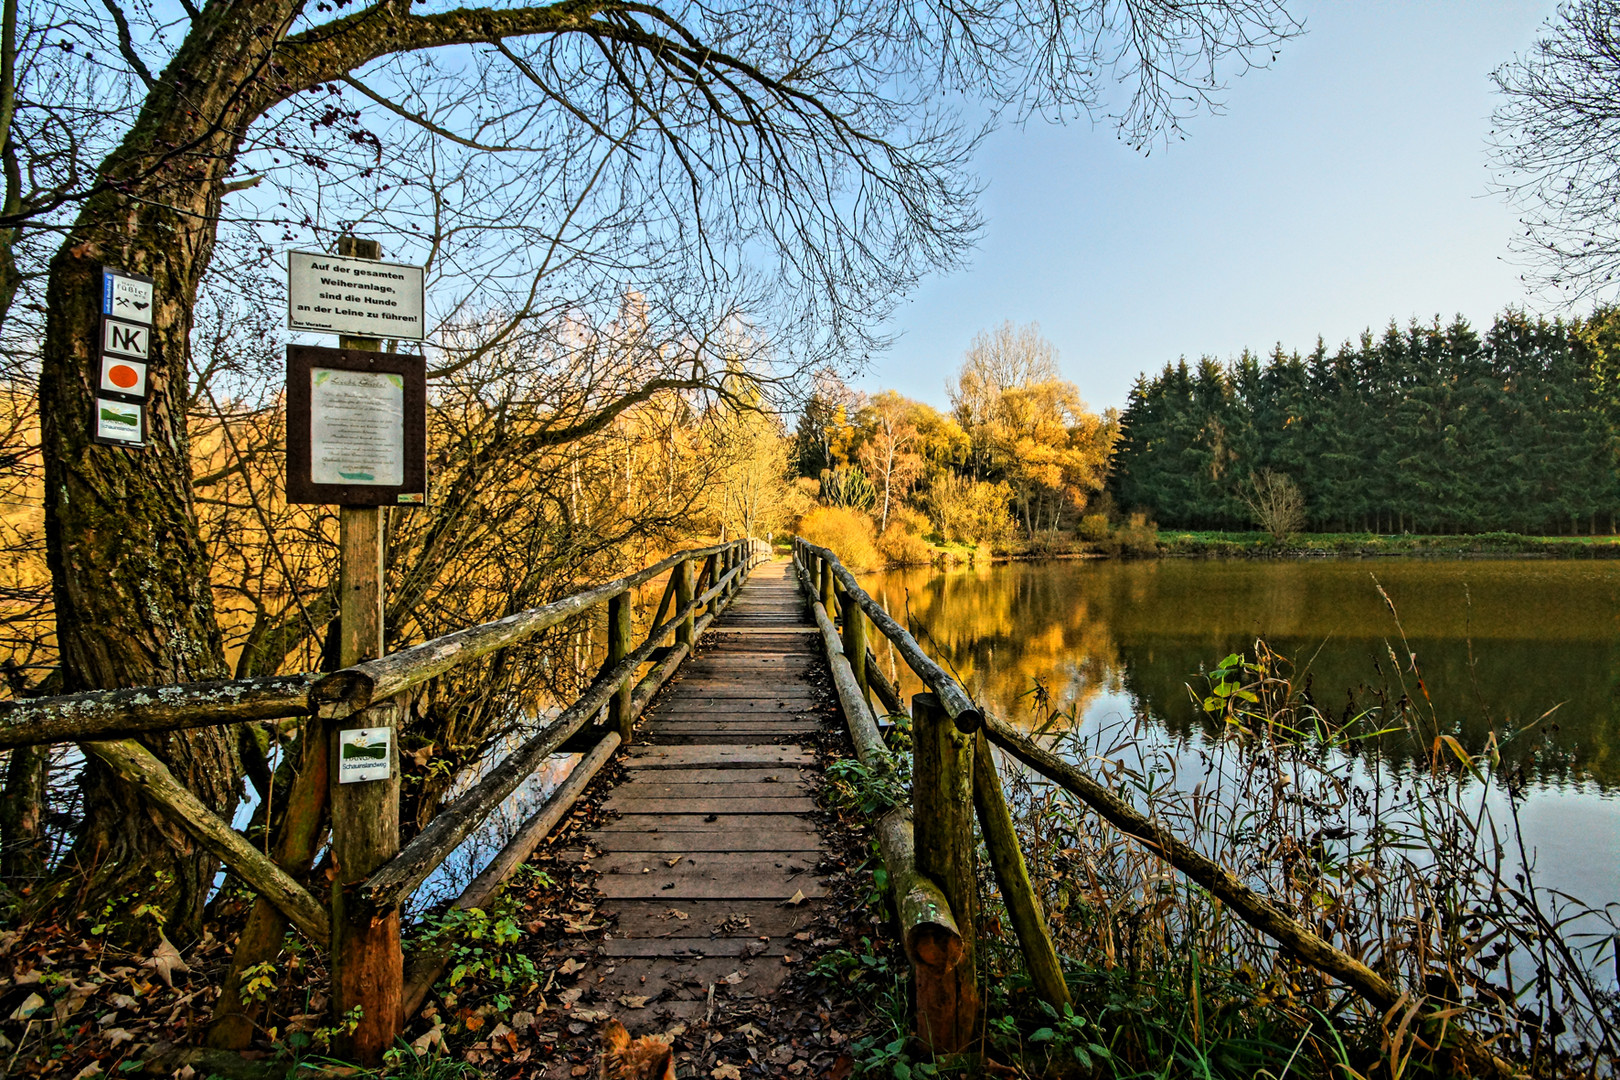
(1498, 643)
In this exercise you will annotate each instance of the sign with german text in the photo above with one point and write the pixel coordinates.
(356, 427)
(126, 296)
(334, 294)
(121, 423)
(365, 754)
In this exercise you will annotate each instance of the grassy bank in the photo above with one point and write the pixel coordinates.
(1140, 539)
(1305, 545)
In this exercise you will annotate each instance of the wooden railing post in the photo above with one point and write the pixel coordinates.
(942, 815)
(618, 647)
(683, 596)
(855, 643)
(827, 587)
(710, 578)
(1012, 877)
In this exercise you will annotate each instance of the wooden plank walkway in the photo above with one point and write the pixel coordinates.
(714, 835)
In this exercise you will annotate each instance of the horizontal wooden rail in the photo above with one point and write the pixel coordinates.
(951, 695)
(390, 886)
(354, 688)
(118, 714)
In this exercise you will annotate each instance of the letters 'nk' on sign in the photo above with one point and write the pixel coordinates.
(126, 339)
(360, 297)
(356, 427)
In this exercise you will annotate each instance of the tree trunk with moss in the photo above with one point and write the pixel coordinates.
(129, 569)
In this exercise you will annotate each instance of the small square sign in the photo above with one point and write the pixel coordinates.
(120, 376)
(126, 339)
(365, 754)
(126, 295)
(120, 422)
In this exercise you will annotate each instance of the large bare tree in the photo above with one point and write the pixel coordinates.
(1556, 142)
(783, 159)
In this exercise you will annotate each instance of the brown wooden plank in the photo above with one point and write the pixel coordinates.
(682, 711)
(698, 703)
(779, 775)
(625, 803)
(676, 887)
(653, 757)
(696, 823)
(768, 863)
(678, 843)
(764, 726)
(742, 738)
(717, 920)
(636, 947)
(711, 790)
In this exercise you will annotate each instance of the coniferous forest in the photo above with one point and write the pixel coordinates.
(1434, 429)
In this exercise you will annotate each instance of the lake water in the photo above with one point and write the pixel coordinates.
(1497, 642)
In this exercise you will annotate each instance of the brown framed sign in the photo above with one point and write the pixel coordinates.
(356, 427)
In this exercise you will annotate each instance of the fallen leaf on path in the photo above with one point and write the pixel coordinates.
(568, 997)
(633, 1001)
(31, 1005)
(726, 1072)
(165, 960)
(672, 862)
(428, 1040)
(569, 966)
(681, 915)
(733, 979)
(795, 900)
(92, 1069)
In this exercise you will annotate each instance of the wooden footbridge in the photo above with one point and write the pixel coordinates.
(709, 861)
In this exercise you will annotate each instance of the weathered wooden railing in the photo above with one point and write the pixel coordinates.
(928, 848)
(367, 966)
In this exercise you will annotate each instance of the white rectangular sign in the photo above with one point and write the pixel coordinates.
(356, 427)
(337, 295)
(365, 754)
(120, 376)
(120, 421)
(126, 339)
(126, 296)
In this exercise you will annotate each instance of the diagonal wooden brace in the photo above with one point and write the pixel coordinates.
(136, 765)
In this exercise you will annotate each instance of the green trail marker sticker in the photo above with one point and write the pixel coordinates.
(365, 754)
(120, 422)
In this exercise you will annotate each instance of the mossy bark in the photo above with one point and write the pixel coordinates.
(129, 570)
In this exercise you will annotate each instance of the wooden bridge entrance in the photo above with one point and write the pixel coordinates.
(710, 863)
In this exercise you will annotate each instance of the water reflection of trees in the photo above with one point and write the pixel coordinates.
(1498, 643)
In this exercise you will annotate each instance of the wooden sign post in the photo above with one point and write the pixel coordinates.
(356, 437)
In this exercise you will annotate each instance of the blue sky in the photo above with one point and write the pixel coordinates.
(1343, 186)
